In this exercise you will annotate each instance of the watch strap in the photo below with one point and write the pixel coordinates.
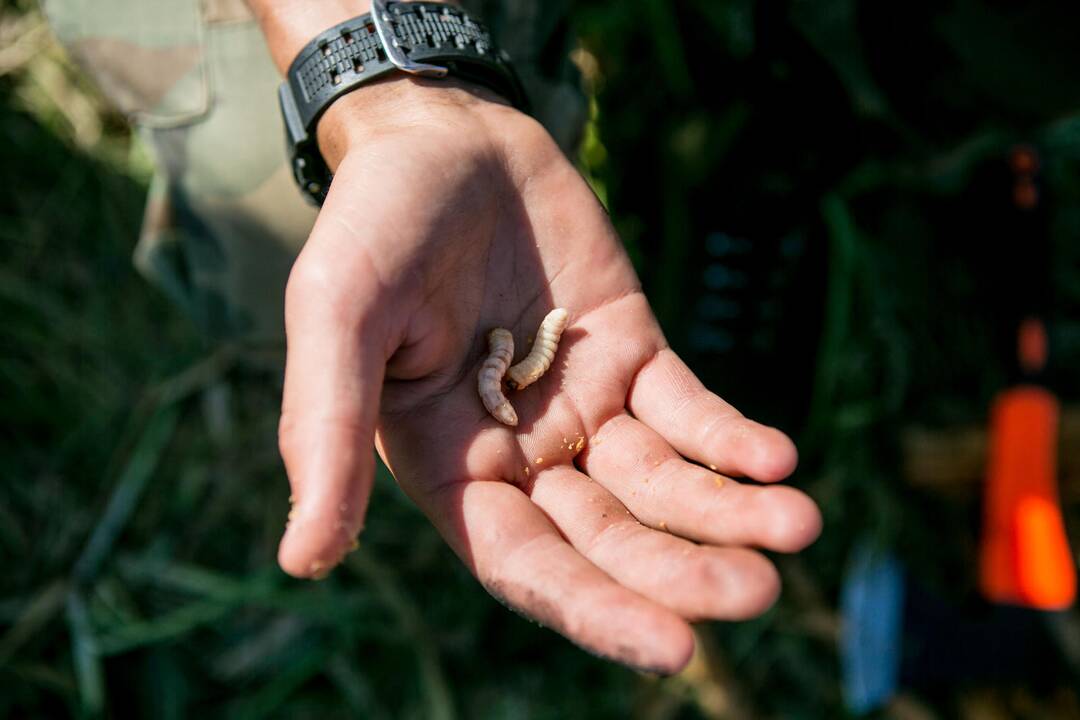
(423, 38)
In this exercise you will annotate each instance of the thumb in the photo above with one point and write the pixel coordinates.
(335, 363)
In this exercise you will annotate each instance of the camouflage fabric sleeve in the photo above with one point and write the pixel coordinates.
(223, 219)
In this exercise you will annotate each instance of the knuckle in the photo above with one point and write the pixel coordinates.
(307, 276)
(611, 538)
(314, 285)
(342, 289)
(287, 439)
(721, 416)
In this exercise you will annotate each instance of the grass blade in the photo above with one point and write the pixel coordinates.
(129, 489)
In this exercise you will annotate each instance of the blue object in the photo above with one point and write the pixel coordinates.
(871, 606)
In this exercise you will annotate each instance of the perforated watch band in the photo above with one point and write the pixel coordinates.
(423, 38)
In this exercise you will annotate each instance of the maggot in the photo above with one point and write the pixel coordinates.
(537, 362)
(489, 382)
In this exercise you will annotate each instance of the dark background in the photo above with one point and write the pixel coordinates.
(818, 199)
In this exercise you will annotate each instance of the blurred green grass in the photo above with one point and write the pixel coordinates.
(144, 496)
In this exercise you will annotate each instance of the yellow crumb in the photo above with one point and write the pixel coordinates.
(713, 468)
(718, 481)
(539, 460)
(663, 526)
(292, 515)
(527, 471)
(580, 443)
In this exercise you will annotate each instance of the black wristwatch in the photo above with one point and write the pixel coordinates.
(420, 38)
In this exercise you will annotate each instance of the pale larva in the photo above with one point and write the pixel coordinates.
(539, 359)
(500, 355)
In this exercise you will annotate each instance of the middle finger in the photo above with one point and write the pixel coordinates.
(695, 581)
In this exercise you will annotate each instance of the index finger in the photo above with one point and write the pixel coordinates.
(667, 396)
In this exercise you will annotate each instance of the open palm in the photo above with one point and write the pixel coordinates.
(608, 513)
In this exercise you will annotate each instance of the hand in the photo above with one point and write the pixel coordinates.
(451, 214)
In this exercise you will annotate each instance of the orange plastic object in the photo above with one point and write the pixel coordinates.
(1024, 556)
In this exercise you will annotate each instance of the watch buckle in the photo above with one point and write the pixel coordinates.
(381, 18)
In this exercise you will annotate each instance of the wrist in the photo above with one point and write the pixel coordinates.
(394, 103)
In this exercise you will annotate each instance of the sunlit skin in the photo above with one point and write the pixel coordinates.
(451, 214)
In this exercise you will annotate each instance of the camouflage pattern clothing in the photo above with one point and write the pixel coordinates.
(224, 219)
